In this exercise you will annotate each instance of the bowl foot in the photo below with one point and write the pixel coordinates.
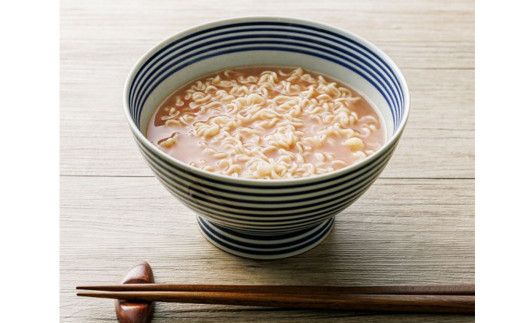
(264, 245)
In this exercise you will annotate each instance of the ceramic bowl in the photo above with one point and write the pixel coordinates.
(266, 219)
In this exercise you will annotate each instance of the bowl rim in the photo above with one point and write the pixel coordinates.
(267, 182)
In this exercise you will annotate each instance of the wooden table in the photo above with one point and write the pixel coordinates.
(415, 225)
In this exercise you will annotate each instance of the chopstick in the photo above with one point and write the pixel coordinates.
(417, 299)
(462, 289)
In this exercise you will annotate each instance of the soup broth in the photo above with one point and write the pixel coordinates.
(267, 123)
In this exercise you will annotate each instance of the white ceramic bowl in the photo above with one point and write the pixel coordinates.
(266, 219)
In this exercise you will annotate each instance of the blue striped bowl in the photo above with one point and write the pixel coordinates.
(266, 219)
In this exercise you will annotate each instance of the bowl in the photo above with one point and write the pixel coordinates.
(266, 219)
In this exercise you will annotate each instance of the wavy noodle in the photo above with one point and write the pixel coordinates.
(271, 125)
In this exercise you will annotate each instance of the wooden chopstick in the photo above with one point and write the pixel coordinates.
(355, 302)
(461, 289)
(419, 299)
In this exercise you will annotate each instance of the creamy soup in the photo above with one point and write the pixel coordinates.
(266, 123)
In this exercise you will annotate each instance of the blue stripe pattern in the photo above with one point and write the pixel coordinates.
(297, 38)
(273, 219)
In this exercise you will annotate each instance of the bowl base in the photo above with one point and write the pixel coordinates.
(264, 245)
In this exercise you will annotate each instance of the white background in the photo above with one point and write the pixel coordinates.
(29, 161)
(497, 160)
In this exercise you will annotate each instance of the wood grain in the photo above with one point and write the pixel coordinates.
(413, 236)
(414, 226)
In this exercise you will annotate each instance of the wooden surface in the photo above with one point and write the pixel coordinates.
(415, 225)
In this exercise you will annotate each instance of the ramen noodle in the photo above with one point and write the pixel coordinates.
(266, 123)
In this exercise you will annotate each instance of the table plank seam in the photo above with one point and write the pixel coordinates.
(152, 176)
